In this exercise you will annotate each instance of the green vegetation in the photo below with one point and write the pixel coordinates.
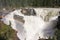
(7, 33)
(58, 34)
(29, 3)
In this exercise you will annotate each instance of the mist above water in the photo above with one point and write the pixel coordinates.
(34, 27)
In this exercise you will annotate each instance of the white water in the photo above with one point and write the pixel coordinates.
(34, 26)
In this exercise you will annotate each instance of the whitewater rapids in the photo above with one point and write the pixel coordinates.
(34, 26)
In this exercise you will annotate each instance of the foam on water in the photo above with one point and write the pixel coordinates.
(33, 27)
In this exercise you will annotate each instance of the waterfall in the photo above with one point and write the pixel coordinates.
(41, 25)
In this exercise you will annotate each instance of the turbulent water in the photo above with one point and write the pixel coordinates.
(42, 25)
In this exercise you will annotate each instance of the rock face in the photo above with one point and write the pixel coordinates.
(3, 13)
(19, 18)
(28, 12)
(58, 24)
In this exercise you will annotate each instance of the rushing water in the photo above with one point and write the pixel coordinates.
(42, 25)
